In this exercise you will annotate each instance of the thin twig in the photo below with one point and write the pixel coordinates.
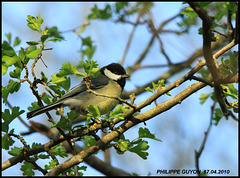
(199, 152)
(160, 28)
(33, 162)
(34, 63)
(202, 80)
(130, 39)
(156, 33)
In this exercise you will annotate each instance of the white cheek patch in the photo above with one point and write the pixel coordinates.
(111, 75)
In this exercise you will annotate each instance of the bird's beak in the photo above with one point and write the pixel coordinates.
(125, 76)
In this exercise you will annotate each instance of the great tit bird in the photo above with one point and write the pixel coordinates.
(110, 81)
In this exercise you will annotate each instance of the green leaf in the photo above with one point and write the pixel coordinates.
(44, 38)
(145, 133)
(56, 79)
(120, 5)
(233, 90)
(59, 151)
(87, 41)
(46, 98)
(123, 146)
(42, 156)
(219, 15)
(43, 77)
(90, 67)
(137, 146)
(94, 72)
(94, 110)
(34, 145)
(33, 106)
(53, 32)
(54, 39)
(189, 12)
(200, 31)
(149, 89)
(13, 86)
(51, 165)
(88, 141)
(217, 115)
(15, 151)
(16, 73)
(7, 50)
(203, 98)
(56, 89)
(22, 55)
(224, 70)
(204, 4)
(232, 6)
(33, 42)
(9, 61)
(7, 141)
(97, 13)
(35, 23)
(67, 69)
(64, 124)
(117, 113)
(4, 69)
(27, 169)
(229, 90)
(64, 82)
(31, 48)
(156, 86)
(89, 51)
(34, 54)
(72, 115)
(140, 148)
(9, 37)
(204, 72)
(17, 41)
(8, 118)
(87, 47)
(233, 58)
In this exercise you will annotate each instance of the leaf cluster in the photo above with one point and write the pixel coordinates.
(229, 91)
(157, 86)
(8, 117)
(138, 145)
(219, 10)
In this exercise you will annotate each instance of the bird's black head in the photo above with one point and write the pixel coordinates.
(115, 72)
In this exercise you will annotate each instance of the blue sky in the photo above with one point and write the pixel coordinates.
(181, 129)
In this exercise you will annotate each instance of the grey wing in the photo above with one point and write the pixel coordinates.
(96, 83)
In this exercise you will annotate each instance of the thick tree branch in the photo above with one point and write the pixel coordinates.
(16, 159)
(211, 62)
(207, 39)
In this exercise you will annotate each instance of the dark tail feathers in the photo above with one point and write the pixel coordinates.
(43, 110)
